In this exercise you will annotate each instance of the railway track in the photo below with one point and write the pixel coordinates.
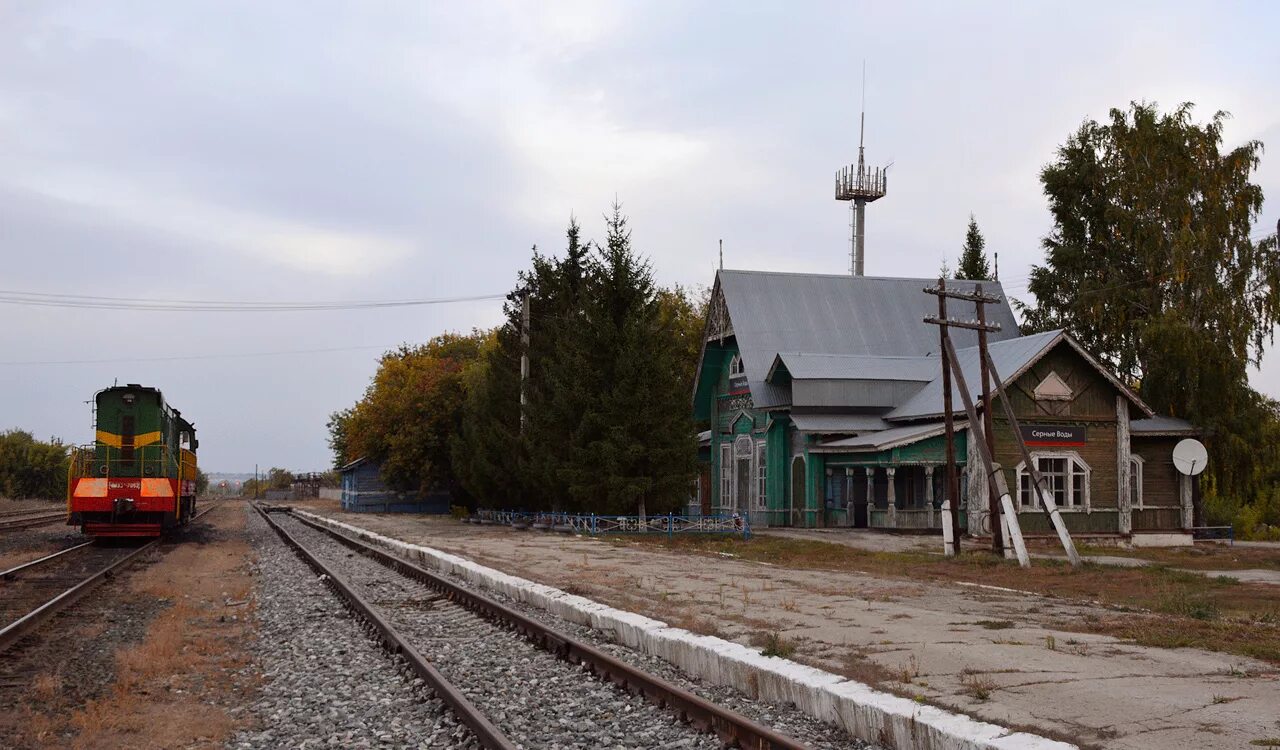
(415, 612)
(26, 519)
(35, 591)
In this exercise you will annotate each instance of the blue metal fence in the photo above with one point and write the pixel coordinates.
(595, 524)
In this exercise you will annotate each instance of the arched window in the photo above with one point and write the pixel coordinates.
(735, 366)
(1066, 478)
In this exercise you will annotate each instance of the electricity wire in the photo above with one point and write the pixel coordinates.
(183, 358)
(84, 301)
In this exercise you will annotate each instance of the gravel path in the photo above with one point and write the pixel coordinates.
(538, 700)
(326, 682)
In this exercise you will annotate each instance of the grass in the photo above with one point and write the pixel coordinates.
(1154, 605)
(978, 686)
(773, 644)
(1211, 556)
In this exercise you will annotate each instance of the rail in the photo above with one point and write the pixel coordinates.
(33, 520)
(733, 729)
(488, 735)
(11, 572)
(593, 524)
(28, 623)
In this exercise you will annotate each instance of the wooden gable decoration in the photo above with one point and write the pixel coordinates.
(1054, 388)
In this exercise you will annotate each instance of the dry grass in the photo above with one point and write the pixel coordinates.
(1217, 614)
(978, 686)
(172, 685)
(1203, 556)
(773, 644)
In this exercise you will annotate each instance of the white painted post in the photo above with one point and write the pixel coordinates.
(1009, 521)
(1059, 526)
(948, 538)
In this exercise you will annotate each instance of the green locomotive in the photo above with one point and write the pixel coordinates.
(138, 478)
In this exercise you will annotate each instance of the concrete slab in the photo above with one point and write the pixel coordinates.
(999, 656)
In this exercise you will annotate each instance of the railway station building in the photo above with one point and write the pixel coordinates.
(822, 396)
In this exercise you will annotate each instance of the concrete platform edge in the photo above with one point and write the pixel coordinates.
(864, 712)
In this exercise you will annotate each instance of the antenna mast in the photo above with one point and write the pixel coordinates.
(860, 186)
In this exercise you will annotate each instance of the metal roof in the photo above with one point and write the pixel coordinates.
(1011, 357)
(804, 366)
(1162, 426)
(840, 314)
(838, 422)
(878, 441)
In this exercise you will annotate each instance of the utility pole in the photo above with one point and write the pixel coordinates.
(951, 501)
(997, 537)
(997, 488)
(255, 481)
(524, 353)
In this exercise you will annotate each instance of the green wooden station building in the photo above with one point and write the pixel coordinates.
(823, 398)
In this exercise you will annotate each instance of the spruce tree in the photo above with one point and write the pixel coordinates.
(634, 448)
(973, 257)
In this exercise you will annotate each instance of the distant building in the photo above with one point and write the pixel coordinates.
(824, 398)
(364, 491)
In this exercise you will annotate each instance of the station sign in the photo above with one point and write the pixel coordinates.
(1054, 435)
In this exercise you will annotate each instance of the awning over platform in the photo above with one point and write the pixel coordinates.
(851, 423)
(885, 439)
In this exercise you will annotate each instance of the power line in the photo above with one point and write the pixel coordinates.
(42, 299)
(181, 358)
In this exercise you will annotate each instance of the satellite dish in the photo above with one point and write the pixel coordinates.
(1190, 457)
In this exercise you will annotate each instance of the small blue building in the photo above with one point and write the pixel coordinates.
(363, 491)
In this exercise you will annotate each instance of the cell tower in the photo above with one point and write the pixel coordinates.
(860, 184)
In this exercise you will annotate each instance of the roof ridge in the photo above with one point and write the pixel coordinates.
(851, 277)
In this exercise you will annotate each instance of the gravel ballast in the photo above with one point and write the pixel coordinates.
(535, 698)
(326, 682)
(403, 600)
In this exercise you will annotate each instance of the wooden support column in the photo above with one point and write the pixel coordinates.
(892, 496)
(1184, 495)
(928, 492)
(871, 494)
(1124, 497)
(848, 496)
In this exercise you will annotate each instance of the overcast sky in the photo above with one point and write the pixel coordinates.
(322, 151)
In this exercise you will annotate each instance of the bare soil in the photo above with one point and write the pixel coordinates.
(155, 659)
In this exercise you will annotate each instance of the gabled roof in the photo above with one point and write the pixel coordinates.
(1012, 358)
(801, 366)
(353, 464)
(839, 315)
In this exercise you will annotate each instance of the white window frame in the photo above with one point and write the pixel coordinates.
(1076, 466)
(1135, 480)
(762, 487)
(736, 367)
(726, 475)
